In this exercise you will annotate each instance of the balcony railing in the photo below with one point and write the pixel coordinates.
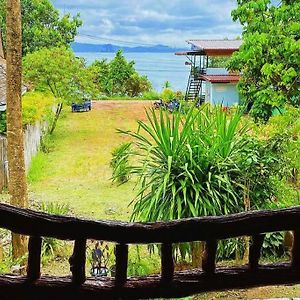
(168, 284)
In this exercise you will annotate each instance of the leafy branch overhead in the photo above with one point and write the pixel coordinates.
(42, 25)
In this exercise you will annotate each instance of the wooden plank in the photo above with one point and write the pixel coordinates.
(255, 250)
(77, 262)
(209, 257)
(167, 262)
(185, 284)
(296, 250)
(33, 223)
(121, 264)
(34, 258)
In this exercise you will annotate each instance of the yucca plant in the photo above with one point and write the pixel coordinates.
(187, 164)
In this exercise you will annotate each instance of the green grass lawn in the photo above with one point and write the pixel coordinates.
(77, 171)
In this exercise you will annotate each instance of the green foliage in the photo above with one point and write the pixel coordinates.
(167, 85)
(269, 57)
(168, 94)
(204, 163)
(137, 84)
(151, 95)
(218, 62)
(119, 77)
(2, 121)
(120, 163)
(42, 25)
(262, 161)
(50, 245)
(273, 244)
(187, 164)
(37, 106)
(58, 71)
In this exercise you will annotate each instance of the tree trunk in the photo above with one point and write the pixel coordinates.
(57, 114)
(15, 142)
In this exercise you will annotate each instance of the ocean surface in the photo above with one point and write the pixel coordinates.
(158, 67)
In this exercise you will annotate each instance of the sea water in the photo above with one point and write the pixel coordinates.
(158, 67)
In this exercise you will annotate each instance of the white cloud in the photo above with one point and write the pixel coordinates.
(152, 21)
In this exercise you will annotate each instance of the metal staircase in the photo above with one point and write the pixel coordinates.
(194, 88)
(194, 91)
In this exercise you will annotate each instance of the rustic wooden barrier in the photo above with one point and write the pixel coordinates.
(169, 283)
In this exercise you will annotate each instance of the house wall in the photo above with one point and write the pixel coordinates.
(222, 93)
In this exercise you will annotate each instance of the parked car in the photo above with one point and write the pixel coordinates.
(81, 107)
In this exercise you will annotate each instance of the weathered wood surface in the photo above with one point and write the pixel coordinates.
(34, 223)
(184, 284)
(121, 264)
(169, 284)
(255, 250)
(34, 258)
(77, 262)
(167, 262)
(209, 257)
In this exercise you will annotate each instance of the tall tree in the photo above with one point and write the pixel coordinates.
(269, 59)
(15, 144)
(42, 25)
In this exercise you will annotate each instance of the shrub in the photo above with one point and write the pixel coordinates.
(151, 95)
(136, 85)
(37, 106)
(168, 94)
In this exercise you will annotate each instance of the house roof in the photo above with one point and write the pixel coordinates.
(212, 47)
(221, 78)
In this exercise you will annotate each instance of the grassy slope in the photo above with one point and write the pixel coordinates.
(77, 172)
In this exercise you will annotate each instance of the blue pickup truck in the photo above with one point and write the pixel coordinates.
(85, 106)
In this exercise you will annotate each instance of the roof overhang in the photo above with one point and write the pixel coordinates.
(212, 47)
(221, 78)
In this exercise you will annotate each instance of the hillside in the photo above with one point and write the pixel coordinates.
(81, 47)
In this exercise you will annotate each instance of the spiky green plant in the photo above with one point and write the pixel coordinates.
(120, 163)
(187, 164)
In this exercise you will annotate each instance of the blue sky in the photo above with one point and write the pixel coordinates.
(168, 22)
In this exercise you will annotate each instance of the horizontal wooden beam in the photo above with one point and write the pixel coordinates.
(184, 284)
(32, 223)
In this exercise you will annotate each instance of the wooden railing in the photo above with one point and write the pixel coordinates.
(37, 225)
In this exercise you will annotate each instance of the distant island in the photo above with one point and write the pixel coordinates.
(110, 48)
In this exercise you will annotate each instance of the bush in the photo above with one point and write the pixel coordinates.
(37, 106)
(136, 85)
(151, 95)
(168, 94)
